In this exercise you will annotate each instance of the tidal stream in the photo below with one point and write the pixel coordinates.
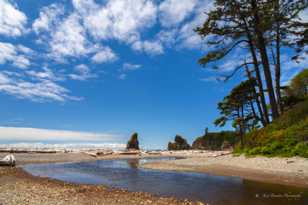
(215, 190)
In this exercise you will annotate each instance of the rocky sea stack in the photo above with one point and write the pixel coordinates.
(179, 144)
(133, 142)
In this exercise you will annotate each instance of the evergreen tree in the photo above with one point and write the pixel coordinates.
(255, 26)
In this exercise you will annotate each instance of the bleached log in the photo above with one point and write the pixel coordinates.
(8, 160)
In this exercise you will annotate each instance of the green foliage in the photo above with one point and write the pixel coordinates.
(299, 85)
(287, 136)
(215, 140)
(237, 105)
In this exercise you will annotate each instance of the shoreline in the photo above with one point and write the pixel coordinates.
(284, 171)
(46, 191)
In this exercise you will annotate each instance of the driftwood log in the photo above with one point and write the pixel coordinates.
(8, 160)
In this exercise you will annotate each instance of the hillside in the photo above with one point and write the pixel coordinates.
(215, 141)
(287, 136)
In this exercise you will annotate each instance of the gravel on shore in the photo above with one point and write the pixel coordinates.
(18, 187)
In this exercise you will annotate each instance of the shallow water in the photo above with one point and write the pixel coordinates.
(216, 190)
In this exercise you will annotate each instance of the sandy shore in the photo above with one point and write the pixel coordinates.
(288, 171)
(18, 187)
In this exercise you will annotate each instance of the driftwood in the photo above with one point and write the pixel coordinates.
(130, 152)
(8, 160)
(28, 151)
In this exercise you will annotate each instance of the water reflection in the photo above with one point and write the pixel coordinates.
(133, 163)
(208, 188)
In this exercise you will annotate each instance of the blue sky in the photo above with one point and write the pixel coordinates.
(107, 68)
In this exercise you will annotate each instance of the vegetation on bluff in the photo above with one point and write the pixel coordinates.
(287, 136)
(215, 140)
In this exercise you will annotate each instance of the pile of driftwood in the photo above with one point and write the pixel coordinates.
(8, 160)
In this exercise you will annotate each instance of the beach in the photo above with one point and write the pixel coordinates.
(286, 171)
(19, 187)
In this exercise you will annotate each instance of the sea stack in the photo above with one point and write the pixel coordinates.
(133, 142)
(179, 144)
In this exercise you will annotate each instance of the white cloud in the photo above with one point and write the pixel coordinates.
(70, 39)
(48, 18)
(120, 19)
(187, 37)
(25, 50)
(83, 73)
(44, 74)
(12, 20)
(4, 79)
(38, 90)
(127, 67)
(66, 36)
(21, 62)
(149, 47)
(105, 54)
(167, 37)
(7, 52)
(183, 36)
(26, 134)
(82, 68)
(85, 6)
(173, 12)
(131, 67)
(15, 55)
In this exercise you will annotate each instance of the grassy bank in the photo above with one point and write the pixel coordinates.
(286, 136)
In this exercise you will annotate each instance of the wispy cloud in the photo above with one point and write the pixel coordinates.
(105, 54)
(173, 12)
(81, 33)
(131, 67)
(38, 90)
(26, 134)
(16, 55)
(82, 72)
(149, 47)
(128, 67)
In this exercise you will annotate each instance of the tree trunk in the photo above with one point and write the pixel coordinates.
(265, 61)
(261, 118)
(277, 66)
(241, 132)
(264, 115)
(277, 74)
